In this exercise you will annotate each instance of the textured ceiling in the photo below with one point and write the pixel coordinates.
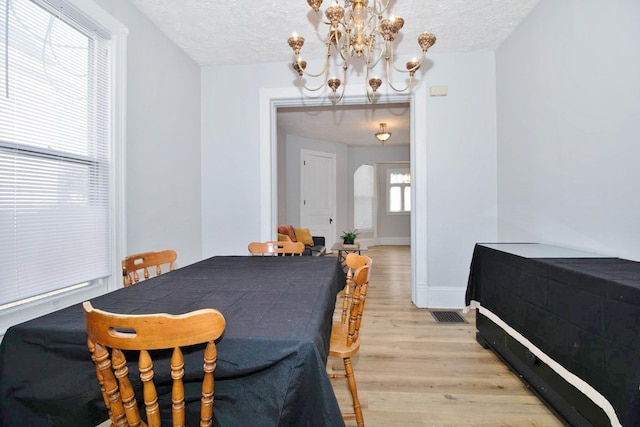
(213, 32)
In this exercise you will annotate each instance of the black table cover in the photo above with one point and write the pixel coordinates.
(271, 357)
(582, 312)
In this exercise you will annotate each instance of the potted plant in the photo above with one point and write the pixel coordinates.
(348, 237)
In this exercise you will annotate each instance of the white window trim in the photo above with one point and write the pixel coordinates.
(402, 186)
(18, 314)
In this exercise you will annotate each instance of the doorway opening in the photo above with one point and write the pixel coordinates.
(307, 192)
(272, 99)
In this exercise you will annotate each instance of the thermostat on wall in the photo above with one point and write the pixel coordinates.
(438, 90)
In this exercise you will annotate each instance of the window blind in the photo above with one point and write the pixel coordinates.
(54, 150)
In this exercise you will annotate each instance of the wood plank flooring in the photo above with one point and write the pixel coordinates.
(412, 371)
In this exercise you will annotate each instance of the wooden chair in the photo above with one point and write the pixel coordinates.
(345, 339)
(353, 261)
(114, 333)
(276, 248)
(133, 263)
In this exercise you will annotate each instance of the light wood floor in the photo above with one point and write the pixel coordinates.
(412, 371)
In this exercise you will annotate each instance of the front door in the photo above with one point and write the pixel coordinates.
(318, 194)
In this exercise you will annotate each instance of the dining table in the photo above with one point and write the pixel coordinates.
(271, 366)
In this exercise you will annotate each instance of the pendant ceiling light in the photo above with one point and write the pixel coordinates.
(383, 134)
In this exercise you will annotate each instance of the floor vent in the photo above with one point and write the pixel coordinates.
(443, 316)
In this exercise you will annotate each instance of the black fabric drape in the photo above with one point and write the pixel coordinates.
(582, 312)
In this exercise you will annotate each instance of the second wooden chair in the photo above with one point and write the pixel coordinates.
(345, 339)
(143, 261)
(276, 248)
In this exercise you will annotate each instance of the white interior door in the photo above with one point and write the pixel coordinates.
(318, 194)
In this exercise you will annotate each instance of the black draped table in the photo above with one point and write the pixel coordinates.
(271, 367)
(568, 322)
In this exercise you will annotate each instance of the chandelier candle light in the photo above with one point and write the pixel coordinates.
(357, 30)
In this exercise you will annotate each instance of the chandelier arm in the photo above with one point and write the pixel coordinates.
(344, 84)
(325, 70)
(337, 32)
(371, 94)
(338, 99)
(400, 90)
(343, 49)
(376, 33)
(393, 60)
(391, 84)
(345, 66)
(338, 94)
(373, 16)
(390, 58)
(377, 3)
(414, 69)
(375, 60)
(312, 89)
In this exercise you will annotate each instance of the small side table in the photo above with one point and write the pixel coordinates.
(344, 251)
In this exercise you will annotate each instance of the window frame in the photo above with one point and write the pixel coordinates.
(403, 188)
(91, 12)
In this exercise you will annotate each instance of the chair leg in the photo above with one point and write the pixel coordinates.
(351, 379)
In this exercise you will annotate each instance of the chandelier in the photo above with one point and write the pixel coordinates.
(383, 134)
(358, 31)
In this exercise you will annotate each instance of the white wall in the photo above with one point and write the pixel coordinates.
(456, 165)
(568, 96)
(231, 158)
(461, 171)
(163, 140)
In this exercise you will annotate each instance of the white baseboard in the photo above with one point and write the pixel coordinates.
(439, 297)
(387, 241)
